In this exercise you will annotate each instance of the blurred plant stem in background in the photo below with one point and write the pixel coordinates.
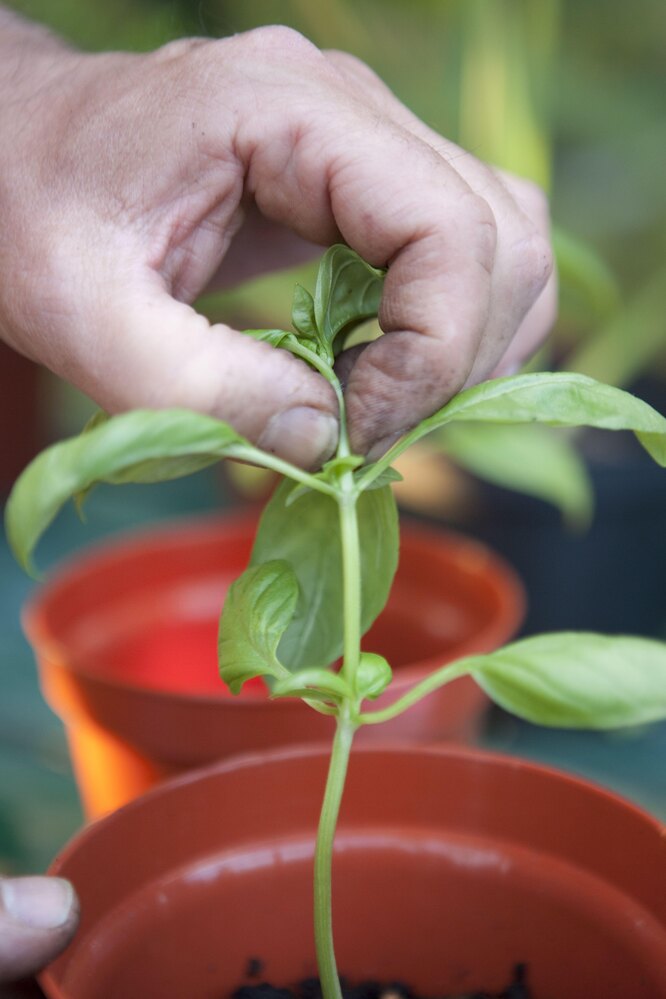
(508, 59)
(628, 345)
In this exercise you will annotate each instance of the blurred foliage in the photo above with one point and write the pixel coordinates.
(568, 92)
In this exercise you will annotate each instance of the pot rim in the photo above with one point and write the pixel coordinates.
(260, 758)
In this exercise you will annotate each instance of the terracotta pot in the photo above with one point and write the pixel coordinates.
(126, 640)
(450, 866)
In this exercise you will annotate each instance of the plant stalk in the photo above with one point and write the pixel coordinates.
(351, 580)
(323, 910)
(351, 585)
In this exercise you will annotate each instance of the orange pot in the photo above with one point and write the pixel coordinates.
(450, 866)
(126, 636)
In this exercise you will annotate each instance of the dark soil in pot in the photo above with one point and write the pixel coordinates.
(310, 988)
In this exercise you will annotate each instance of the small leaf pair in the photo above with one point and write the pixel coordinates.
(305, 535)
(347, 292)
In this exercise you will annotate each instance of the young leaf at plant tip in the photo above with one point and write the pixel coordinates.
(258, 608)
(348, 291)
(578, 680)
(303, 314)
(276, 338)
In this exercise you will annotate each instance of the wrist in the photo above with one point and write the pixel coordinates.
(32, 60)
(34, 64)
(26, 50)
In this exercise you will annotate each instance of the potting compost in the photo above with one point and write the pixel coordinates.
(309, 988)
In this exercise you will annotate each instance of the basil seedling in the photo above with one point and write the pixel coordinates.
(327, 544)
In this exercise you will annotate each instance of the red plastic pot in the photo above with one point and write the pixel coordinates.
(450, 866)
(126, 640)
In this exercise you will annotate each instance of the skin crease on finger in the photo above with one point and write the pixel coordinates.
(247, 138)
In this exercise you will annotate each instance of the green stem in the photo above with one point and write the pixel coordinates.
(329, 374)
(375, 470)
(351, 582)
(300, 350)
(323, 909)
(437, 679)
(257, 457)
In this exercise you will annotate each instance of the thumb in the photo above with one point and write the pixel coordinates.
(157, 352)
(38, 916)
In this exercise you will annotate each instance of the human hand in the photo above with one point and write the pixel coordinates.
(134, 182)
(38, 916)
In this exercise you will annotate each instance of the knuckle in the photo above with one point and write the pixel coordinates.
(351, 65)
(355, 74)
(180, 48)
(532, 197)
(533, 261)
(528, 195)
(279, 41)
(275, 47)
(482, 228)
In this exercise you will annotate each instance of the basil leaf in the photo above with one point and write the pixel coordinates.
(348, 291)
(276, 338)
(303, 314)
(578, 680)
(584, 277)
(372, 676)
(98, 418)
(141, 446)
(307, 535)
(295, 494)
(531, 459)
(385, 477)
(258, 608)
(563, 399)
(629, 343)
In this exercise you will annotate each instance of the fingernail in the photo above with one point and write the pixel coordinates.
(40, 903)
(304, 436)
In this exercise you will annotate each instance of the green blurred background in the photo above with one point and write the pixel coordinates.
(569, 93)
